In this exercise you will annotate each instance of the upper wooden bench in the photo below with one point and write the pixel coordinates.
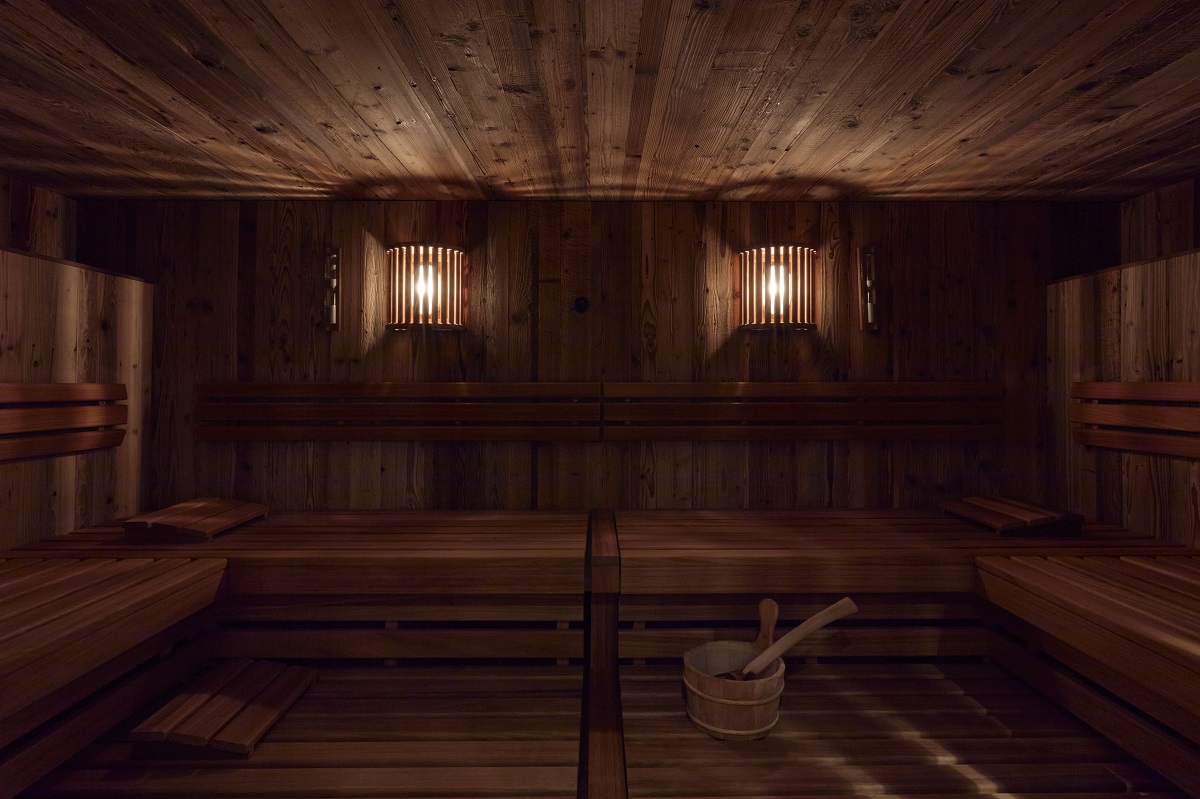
(1153, 418)
(40, 420)
(593, 411)
(1129, 624)
(385, 584)
(70, 627)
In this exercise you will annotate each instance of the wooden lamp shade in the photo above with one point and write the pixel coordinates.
(777, 287)
(425, 286)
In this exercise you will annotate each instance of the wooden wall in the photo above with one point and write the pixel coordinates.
(1160, 223)
(60, 322)
(1131, 323)
(36, 220)
(1134, 323)
(238, 296)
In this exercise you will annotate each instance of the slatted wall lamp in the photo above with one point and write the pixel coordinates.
(425, 286)
(777, 288)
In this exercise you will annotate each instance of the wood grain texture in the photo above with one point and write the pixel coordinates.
(452, 730)
(1134, 325)
(845, 729)
(1160, 223)
(622, 99)
(36, 220)
(1130, 628)
(64, 323)
(660, 307)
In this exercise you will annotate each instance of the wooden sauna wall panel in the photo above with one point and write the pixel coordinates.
(36, 220)
(1136, 323)
(240, 298)
(1161, 223)
(60, 322)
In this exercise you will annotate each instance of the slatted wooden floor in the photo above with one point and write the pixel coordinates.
(952, 729)
(383, 732)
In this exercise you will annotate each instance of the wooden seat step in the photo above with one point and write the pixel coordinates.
(225, 712)
(1008, 516)
(201, 519)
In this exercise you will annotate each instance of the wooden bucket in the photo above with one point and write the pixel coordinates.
(728, 709)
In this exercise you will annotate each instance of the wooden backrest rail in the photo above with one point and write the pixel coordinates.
(1155, 418)
(398, 411)
(806, 411)
(613, 411)
(40, 420)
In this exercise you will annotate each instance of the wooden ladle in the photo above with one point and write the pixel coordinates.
(840, 609)
(768, 614)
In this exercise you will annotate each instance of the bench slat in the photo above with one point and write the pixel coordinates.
(1024, 513)
(1140, 391)
(340, 432)
(396, 413)
(203, 725)
(40, 393)
(71, 615)
(1156, 418)
(179, 709)
(1113, 619)
(26, 447)
(800, 412)
(199, 518)
(985, 430)
(96, 579)
(245, 731)
(1150, 443)
(175, 517)
(71, 657)
(37, 420)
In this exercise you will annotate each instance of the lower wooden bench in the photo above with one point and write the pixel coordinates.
(1117, 639)
(407, 731)
(80, 641)
(225, 712)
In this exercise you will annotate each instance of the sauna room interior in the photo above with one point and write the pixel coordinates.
(434, 399)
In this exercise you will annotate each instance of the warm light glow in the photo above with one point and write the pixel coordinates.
(776, 287)
(425, 286)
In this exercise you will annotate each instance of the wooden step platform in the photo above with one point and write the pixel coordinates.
(884, 729)
(197, 519)
(1118, 636)
(1008, 516)
(463, 731)
(226, 711)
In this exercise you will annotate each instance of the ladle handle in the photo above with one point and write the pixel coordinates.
(768, 614)
(843, 607)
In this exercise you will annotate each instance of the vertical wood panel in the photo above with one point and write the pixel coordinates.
(1160, 223)
(1137, 323)
(65, 323)
(962, 298)
(189, 251)
(36, 220)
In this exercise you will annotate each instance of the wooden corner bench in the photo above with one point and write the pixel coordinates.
(449, 646)
(1115, 639)
(898, 699)
(80, 641)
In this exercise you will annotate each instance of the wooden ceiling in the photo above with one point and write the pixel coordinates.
(705, 99)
